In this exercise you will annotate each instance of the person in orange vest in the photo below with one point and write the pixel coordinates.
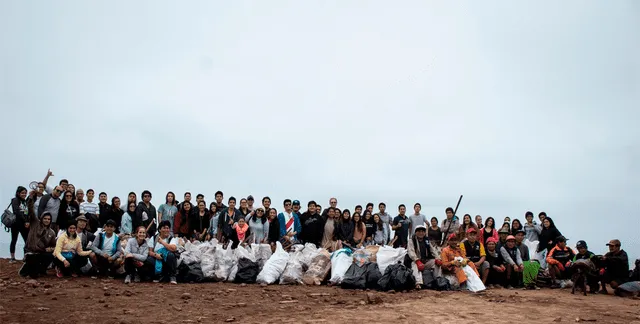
(449, 263)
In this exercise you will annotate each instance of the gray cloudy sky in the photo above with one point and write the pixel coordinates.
(517, 106)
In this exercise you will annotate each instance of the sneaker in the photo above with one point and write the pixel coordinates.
(173, 281)
(59, 273)
(127, 279)
(13, 260)
(136, 278)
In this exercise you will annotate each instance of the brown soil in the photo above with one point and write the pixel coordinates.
(85, 300)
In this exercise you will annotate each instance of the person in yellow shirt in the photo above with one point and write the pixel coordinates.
(68, 250)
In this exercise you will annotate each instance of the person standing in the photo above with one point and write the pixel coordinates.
(401, 225)
(417, 219)
(104, 209)
(51, 203)
(333, 203)
(385, 218)
(290, 225)
(168, 210)
(531, 228)
(90, 210)
(146, 214)
(450, 224)
(22, 223)
(312, 226)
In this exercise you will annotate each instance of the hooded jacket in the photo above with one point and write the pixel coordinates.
(312, 228)
(40, 236)
(548, 235)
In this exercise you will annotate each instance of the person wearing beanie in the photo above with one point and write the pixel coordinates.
(449, 264)
(511, 254)
(559, 260)
(422, 255)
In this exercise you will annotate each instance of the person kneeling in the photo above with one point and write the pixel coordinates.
(559, 261)
(68, 253)
(135, 255)
(513, 258)
(449, 263)
(162, 256)
(419, 251)
(106, 255)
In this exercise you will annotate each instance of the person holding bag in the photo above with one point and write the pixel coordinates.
(20, 224)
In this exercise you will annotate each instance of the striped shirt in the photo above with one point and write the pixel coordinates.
(89, 208)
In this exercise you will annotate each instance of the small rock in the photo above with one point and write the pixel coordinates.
(177, 308)
(402, 316)
(47, 286)
(42, 309)
(47, 292)
(106, 293)
(186, 296)
(230, 319)
(33, 294)
(230, 290)
(128, 293)
(32, 282)
(558, 319)
(85, 285)
(54, 298)
(373, 298)
(241, 304)
(106, 305)
(101, 301)
(243, 284)
(263, 284)
(362, 302)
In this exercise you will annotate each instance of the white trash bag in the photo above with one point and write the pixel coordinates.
(262, 253)
(308, 253)
(191, 254)
(274, 267)
(533, 246)
(387, 256)
(341, 260)
(224, 262)
(474, 283)
(208, 261)
(293, 271)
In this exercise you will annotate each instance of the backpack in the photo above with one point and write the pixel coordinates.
(8, 218)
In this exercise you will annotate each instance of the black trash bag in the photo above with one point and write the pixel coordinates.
(373, 275)
(190, 273)
(355, 277)
(442, 283)
(247, 271)
(429, 279)
(397, 277)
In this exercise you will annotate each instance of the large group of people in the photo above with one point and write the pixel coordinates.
(65, 228)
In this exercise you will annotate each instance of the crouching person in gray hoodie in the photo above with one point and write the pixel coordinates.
(162, 257)
(135, 255)
(106, 253)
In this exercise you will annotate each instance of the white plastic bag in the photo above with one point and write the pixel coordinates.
(533, 246)
(541, 257)
(240, 252)
(293, 271)
(387, 256)
(308, 253)
(274, 267)
(341, 260)
(208, 261)
(191, 254)
(224, 262)
(262, 253)
(474, 284)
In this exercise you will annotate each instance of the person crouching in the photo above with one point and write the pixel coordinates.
(511, 255)
(420, 252)
(106, 253)
(68, 252)
(559, 261)
(449, 263)
(162, 256)
(135, 255)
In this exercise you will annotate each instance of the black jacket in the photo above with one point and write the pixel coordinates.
(67, 213)
(22, 216)
(151, 215)
(312, 228)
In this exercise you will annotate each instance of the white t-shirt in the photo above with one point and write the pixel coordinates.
(156, 247)
(107, 244)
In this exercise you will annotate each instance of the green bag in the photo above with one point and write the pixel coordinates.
(530, 273)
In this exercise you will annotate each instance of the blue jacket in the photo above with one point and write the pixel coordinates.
(297, 227)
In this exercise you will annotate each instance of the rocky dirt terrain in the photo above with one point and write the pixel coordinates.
(85, 300)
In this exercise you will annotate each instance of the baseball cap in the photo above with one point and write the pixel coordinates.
(521, 231)
(452, 236)
(296, 202)
(110, 222)
(614, 243)
(250, 197)
(581, 244)
(472, 230)
(420, 228)
(511, 237)
(561, 239)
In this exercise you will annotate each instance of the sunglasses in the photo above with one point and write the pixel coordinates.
(57, 190)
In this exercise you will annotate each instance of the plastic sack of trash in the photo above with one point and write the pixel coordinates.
(262, 253)
(191, 254)
(318, 269)
(628, 289)
(190, 273)
(247, 271)
(341, 260)
(397, 277)
(474, 283)
(361, 256)
(308, 253)
(225, 259)
(274, 267)
(387, 256)
(533, 246)
(355, 277)
(208, 260)
(541, 257)
(373, 275)
(240, 252)
(293, 271)
(372, 250)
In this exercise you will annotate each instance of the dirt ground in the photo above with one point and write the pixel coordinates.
(52, 300)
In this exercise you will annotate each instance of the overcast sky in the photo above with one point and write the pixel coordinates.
(517, 106)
